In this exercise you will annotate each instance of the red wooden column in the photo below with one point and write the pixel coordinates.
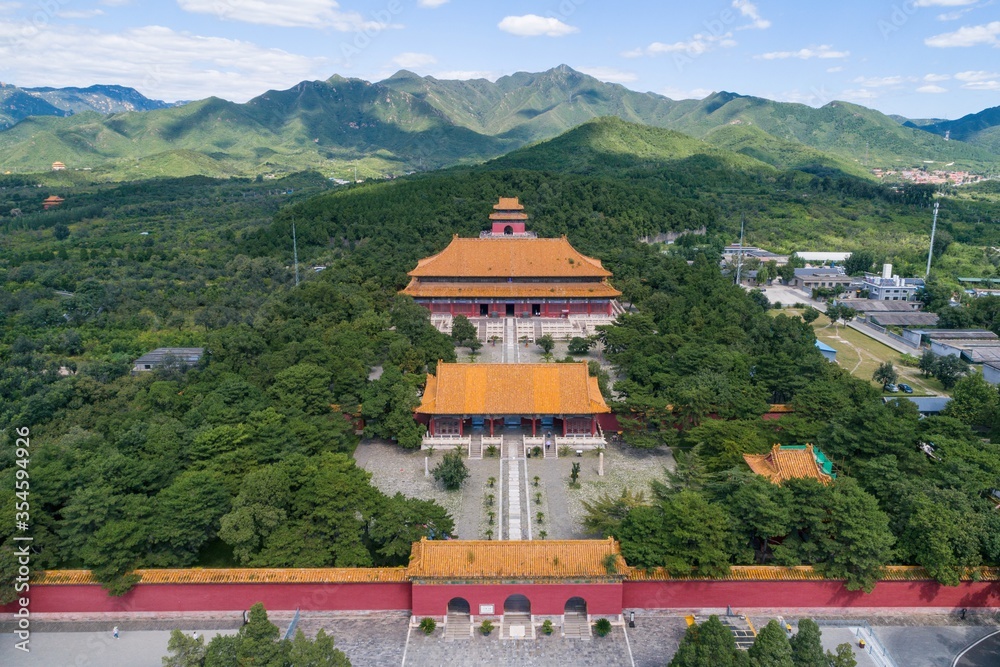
(532, 427)
(491, 426)
(593, 425)
(564, 424)
(588, 306)
(461, 422)
(430, 425)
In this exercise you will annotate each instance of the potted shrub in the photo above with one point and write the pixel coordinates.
(487, 627)
(427, 625)
(602, 627)
(547, 627)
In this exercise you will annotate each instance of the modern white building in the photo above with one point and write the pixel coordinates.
(821, 257)
(889, 287)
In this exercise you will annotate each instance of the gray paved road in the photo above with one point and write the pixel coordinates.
(984, 654)
(91, 649)
(931, 646)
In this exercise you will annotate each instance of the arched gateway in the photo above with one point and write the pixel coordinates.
(516, 583)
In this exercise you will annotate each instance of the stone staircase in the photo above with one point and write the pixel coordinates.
(459, 626)
(576, 626)
(512, 621)
(476, 446)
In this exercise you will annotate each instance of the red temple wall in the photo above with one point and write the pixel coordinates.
(805, 594)
(219, 597)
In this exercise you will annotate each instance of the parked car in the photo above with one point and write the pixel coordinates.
(905, 388)
(890, 387)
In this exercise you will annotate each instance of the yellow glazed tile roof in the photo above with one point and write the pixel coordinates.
(510, 257)
(520, 559)
(508, 204)
(594, 290)
(783, 463)
(328, 575)
(512, 389)
(808, 573)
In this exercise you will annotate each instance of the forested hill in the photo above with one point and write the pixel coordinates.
(410, 123)
(608, 182)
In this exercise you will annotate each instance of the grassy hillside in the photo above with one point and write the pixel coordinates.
(754, 142)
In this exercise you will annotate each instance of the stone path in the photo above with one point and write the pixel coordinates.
(480, 651)
(513, 497)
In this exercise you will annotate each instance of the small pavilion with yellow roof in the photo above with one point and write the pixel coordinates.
(509, 272)
(786, 462)
(562, 398)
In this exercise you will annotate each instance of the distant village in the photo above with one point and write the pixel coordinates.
(930, 177)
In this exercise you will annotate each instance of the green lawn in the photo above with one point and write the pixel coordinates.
(861, 355)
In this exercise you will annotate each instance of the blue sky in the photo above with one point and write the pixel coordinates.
(918, 58)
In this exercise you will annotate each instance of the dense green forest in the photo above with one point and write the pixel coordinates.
(245, 459)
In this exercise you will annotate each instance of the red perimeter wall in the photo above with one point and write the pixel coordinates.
(219, 597)
(546, 599)
(805, 594)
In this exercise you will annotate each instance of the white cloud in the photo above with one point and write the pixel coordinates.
(532, 25)
(610, 74)
(954, 15)
(682, 94)
(700, 43)
(431, 4)
(974, 76)
(983, 85)
(284, 13)
(822, 51)
(410, 60)
(936, 77)
(979, 80)
(860, 95)
(749, 10)
(697, 45)
(79, 14)
(466, 74)
(837, 68)
(879, 81)
(160, 63)
(968, 36)
(931, 88)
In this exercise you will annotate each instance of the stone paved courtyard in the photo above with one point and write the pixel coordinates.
(395, 469)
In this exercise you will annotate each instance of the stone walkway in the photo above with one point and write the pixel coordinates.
(480, 651)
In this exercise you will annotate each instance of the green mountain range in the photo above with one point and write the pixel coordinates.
(411, 123)
(982, 129)
(17, 104)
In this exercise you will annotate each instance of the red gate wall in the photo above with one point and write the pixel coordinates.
(546, 599)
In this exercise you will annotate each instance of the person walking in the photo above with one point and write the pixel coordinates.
(114, 632)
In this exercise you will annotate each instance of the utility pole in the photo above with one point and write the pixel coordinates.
(930, 252)
(739, 255)
(295, 254)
